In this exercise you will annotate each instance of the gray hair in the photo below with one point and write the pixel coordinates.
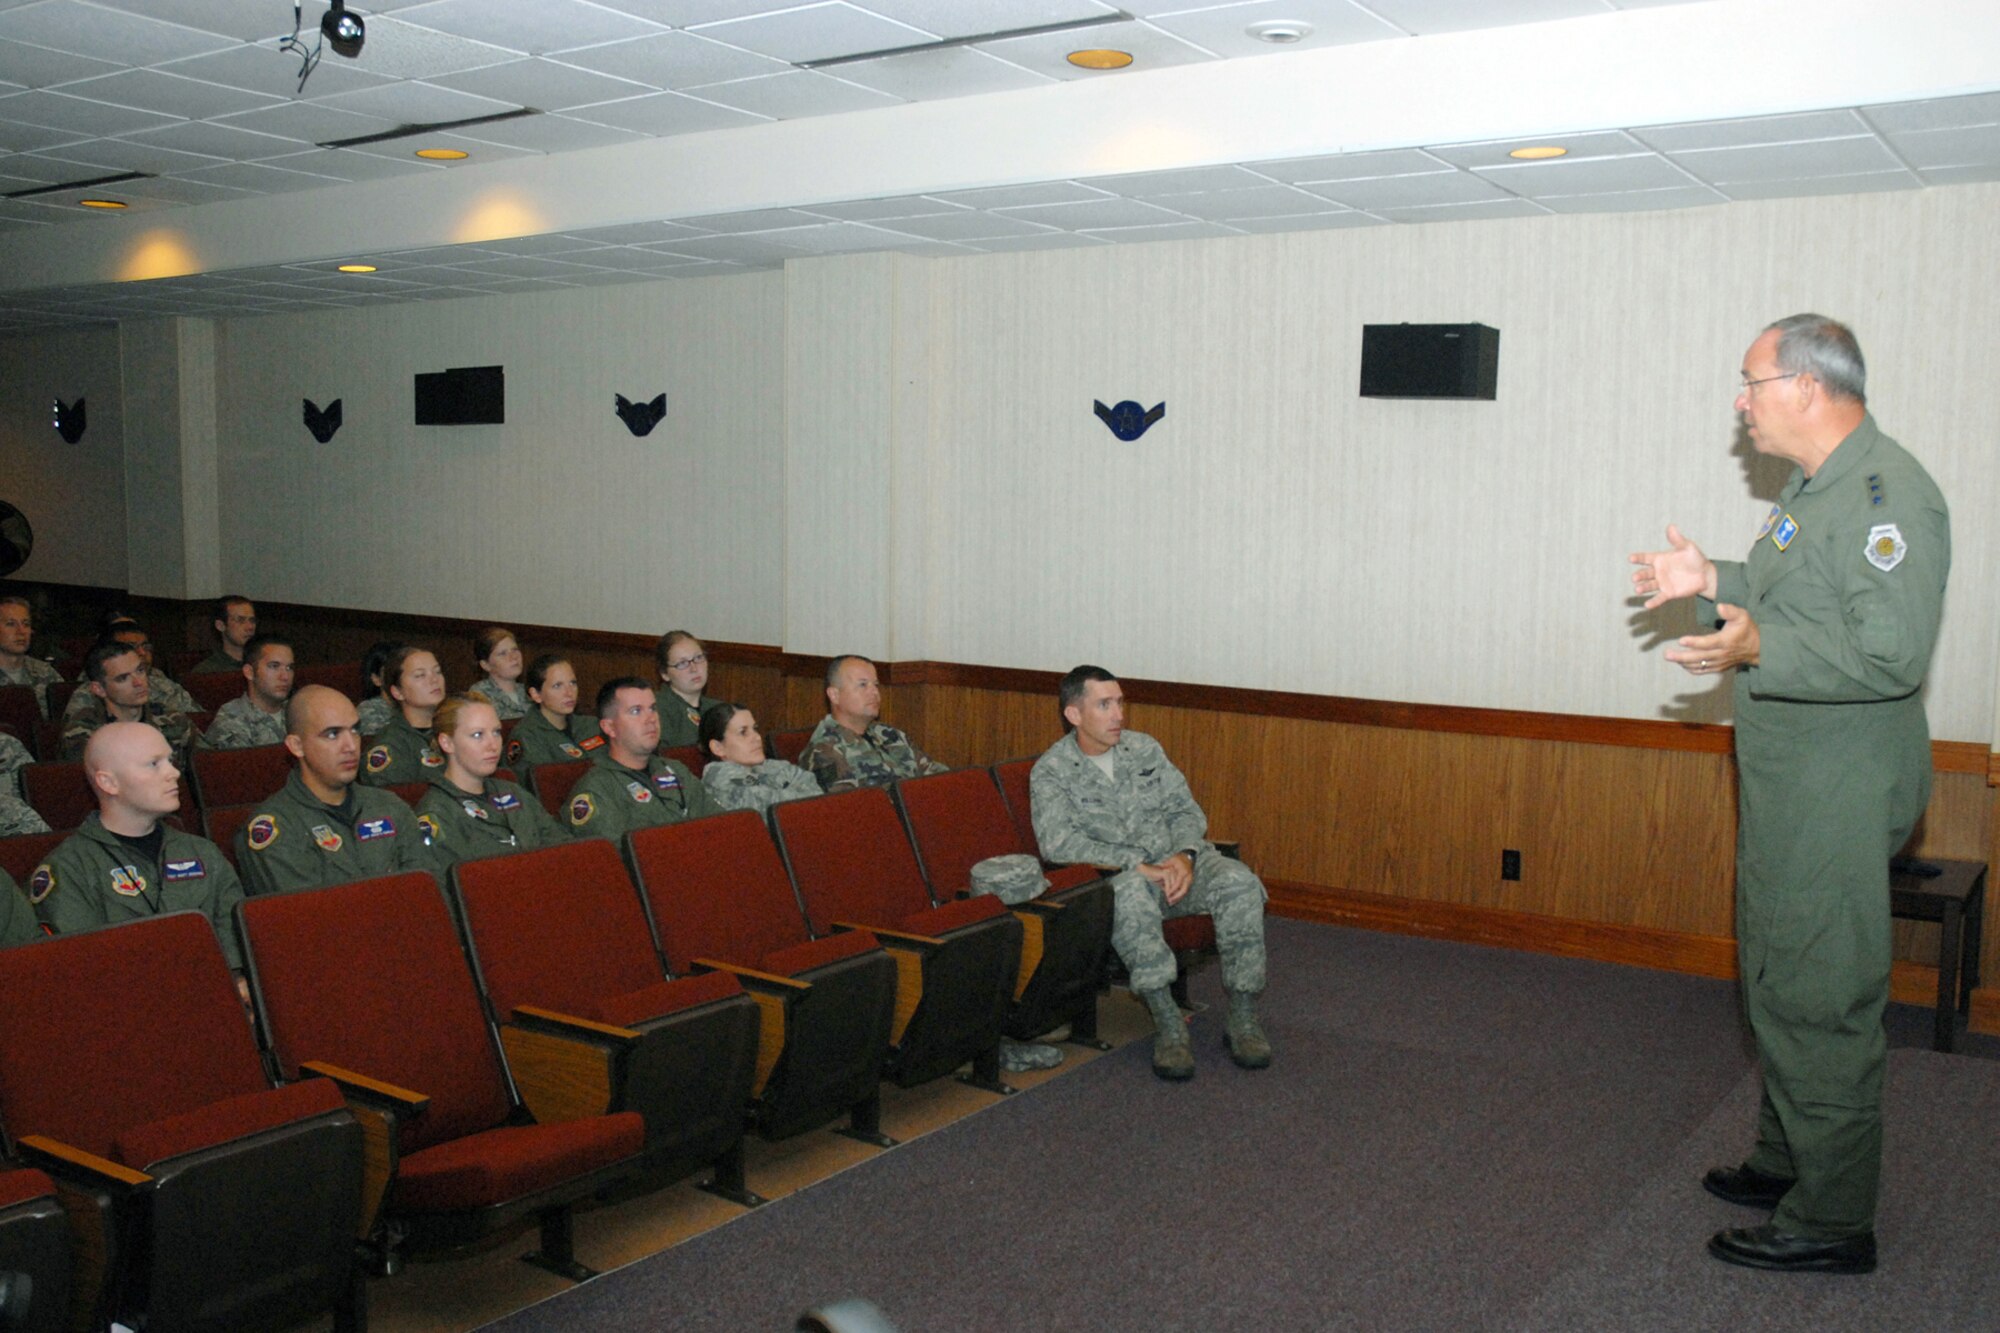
(1825, 349)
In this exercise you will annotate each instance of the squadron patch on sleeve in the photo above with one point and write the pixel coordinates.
(513, 753)
(581, 809)
(1770, 521)
(261, 833)
(378, 758)
(432, 759)
(42, 883)
(1783, 534)
(1886, 547)
(432, 830)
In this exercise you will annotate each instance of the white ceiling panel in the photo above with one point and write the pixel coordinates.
(168, 94)
(548, 134)
(245, 20)
(1940, 113)
(1150, 48)
(1963, 146)
(543, 84)
(973, 18)
(308, 122)
(76, 114)
(674, 60)
(1421, 17)
(1869, 182)
(46, 169)
(1754, 130)
(1484, 211)
(413, 103)
(1269, 201)
(1960, 175)
(664, 113)
(1494, 152)
(16, 137)
(879, 210)
(836, 238)
(537, 28)
(261, 176)
(1635, 201)
(105, 34)
(1778, 162)
(968, 226)
(348, 165)
(761, 219)
(1309, 222)
(1351, 166)
(265, 69)
(822, 31)
(1095, 214)
(39, 67)
(219, 140)
(795, 95)
(956, 71)
(1018, 196)
(405, 149)
(733, 249)
(1047, 240)
(1407, 191)
(400, 50)
(1164, 231)
(1591, 175)
(1224, 30)
(127, 155)
(1183, 180)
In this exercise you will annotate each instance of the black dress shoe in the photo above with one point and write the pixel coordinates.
(1746, 1185)
(1767, 1247)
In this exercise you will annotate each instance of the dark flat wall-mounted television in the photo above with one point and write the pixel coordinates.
(464, 396)
(1429, 361)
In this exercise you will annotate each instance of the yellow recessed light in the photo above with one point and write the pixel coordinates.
(357, 268)
(1536, 154)
(443, 154)
(1100, 59)
(101, 203)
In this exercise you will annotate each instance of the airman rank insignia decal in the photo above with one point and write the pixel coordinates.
(506, 800)
(1788, 528)
(41, 884)
(328, 840)
(378, 759)
(1770, 521)
(432, 830)
(591, 742)
(432, 759)
(1875, 488)
(571, 750)
(639, 792)
(175, 871)
(666, 779)
(513, 753)
(261, 833)
(475, 809)
(369, 829)
(1886, 547)
(581, 809)
(127, 882)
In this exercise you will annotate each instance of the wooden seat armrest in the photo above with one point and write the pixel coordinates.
(904, 937)
(40, 1150)
(1229, 847)
(1040, 907)
(370, 1089)
(549, 1020)
(750, 975)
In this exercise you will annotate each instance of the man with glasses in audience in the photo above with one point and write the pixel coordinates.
(235, 625)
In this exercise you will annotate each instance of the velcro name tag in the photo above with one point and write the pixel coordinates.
(179, 870)
(507, 800)
(369, 829)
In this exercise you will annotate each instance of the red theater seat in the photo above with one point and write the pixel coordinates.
(788, 745)
(212, 689)
(227, 1203)
(691, 755)
(343, 676)
(20, 855)
(34, 1239)
(552, 783)
(22, 716)
(240, 777)
(571, 977)
(365, 983)
(854, 868)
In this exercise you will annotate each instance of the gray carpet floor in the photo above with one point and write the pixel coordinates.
(1452, 1137)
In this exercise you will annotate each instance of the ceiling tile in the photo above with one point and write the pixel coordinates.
(760, 219)
(266, 69)
(1350, 166)
(77, 115)
(126, 155)
(1016, 196)
(733, 249)
(1048, 240)
(39, 67)
(1633, 201)
(1422, 17)
(967, 226)
(836, 238)
(543, 84)
(674, 60)
(1311, 222)
(795, 95)
(413, 103)
(1222, 30)
(551, 243)
(537, 28)
(1493, 152)
(548, 134)
(245, 20)
(260, 177)
(1485, 210)
(813, 32)
(664, 114)
(1867, 182)
(1960, 175)
(1452, 187)
(1185, 180)
(1149, 47)
(1753, 130)
(348, 165)
(1940, 113)
(16, 137)
(878, 210)
(1094, 214)
(955, 71)
(1166, 231)
(405, 150)
(1791, 161)
(972, 18)
(1267, 201)
(169, 94)
(105, 34)
(179, 190)
(47, 170)
(403, 50)
(308, 122)
(1590, 175)
(1965, 146)
(218, 140)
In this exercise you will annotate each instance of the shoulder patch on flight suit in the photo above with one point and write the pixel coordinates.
(369, 829)
(1770, 521)
(378, 758)
(432, 829)
(175, 871)
(1886, 547)
(328, 840)
(581, 808)
(432, 759)
(42, 883)
(513, 753)
(261, 833)
(1787, 529)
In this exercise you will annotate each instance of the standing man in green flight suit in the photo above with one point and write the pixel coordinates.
(1829, 626)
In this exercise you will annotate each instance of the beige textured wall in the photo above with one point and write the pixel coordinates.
(558, 517)
(73, 494)
(1275, 530)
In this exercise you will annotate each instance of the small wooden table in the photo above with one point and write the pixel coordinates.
(1956, 900)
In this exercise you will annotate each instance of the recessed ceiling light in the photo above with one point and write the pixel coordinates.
(101, 203)
(443, 154)
(1100, 59)
(357, 268)
(1539, 152)
(1280, 32)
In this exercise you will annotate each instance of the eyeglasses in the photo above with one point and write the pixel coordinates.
(687, 662)
(1749, 385)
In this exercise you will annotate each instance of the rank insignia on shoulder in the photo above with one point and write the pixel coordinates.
(378, 758)
(591, 742)
(432, 759)
(1770, 521)
(1787, 529)
(369, 829)
(328, 840)
(666, 779)
(475, 809)
(261, 832)
(1886, 547)
(431, 828)
(581, 808)
(574, 752)
(639, 792)
(175, 871)
(506, 800)
(41, 884)
(127, 882)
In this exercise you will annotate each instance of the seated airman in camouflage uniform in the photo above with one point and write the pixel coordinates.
(119, 689)
(17, 630)
(126, 863)
(629, 786)
(322, 828)
(1109, 797)
(851, 747)
(499, 656)
(236, 626)
(402, 751)
(469, 813)
(17, 817)
(738, 774)
(257, 716)
(14, 757)
(17, 914)
(166, 693)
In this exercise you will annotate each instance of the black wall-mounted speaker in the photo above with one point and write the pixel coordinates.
(1429, 361)
(465, 396)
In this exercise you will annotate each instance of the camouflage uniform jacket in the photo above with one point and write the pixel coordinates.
(741, 787)
(37, 675)
(534, 741)
(504, 818)
(509, 705)
(94, 879)
(680, 721)
(17, 914)
(297, 841)
(86, 713)
(242, 725)
(610, 800)
(1144, 813)
(215, 664)
(165, 695)
(14, 757)
(18, 818)
(374, 715)
(399, 753)
(842, 760)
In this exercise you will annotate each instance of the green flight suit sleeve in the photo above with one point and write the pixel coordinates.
(66, 906)
(1732, 585)
(226, 893)
(17, 916)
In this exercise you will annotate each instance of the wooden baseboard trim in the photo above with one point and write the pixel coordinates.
(1600, 941)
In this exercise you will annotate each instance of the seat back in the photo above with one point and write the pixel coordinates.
(212, 689)
(554, 782)
(221, 824)
(119, 1027)
(240, 777)
(691, 755)
(343, 676)
(370, 976)
(850, 859)
(21, 715)
(956, 820)
(560, 928)
(715, 888)
(62, 795)
(61, 690)
(1012, 779)
(788, 745)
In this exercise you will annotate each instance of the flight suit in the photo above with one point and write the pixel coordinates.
(610, 800)
(504, 818)
(680, 723)
(17, 914)
(94, 879)
(294, 840)
(399, 753)
(533, 741)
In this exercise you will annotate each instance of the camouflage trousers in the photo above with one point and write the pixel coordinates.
(1223, 890)
(13, 758)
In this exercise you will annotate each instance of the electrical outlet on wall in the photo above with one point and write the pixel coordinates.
(1510, 864)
